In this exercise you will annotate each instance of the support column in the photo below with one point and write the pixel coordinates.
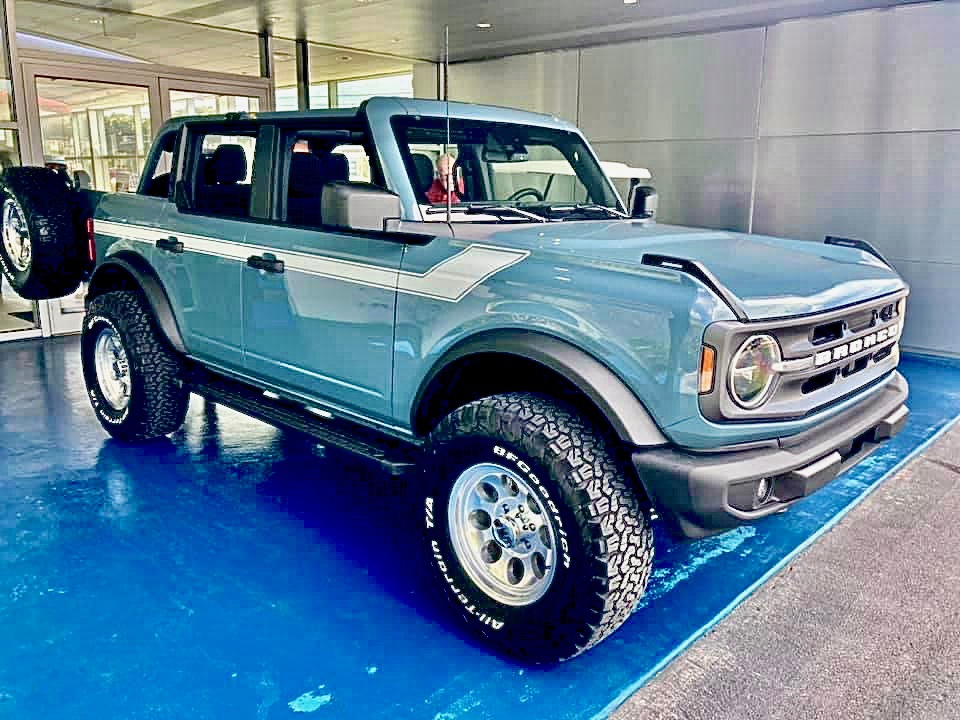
(266, 53)
(303, 75)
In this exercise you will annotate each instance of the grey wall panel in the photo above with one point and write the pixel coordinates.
(879, 70)
(542, 82)
(425, 81)
(932, 307)
(695, 87)
(704, 183)
(899, 191)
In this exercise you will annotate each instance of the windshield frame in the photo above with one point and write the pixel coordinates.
(594, 179)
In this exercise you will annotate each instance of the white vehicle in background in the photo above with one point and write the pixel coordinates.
(637, 178)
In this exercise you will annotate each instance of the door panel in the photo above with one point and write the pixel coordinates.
(204, 283)
(324, 326)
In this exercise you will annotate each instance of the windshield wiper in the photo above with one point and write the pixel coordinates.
(574, 208)
(497, 210)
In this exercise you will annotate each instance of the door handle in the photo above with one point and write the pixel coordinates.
(258, 262)
(170, 244)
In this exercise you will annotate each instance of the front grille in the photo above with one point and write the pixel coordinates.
(826, 357)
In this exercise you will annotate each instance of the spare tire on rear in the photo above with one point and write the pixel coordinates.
(42, 254)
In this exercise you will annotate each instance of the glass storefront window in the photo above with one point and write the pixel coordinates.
(286, 97)
(350, 93)
(183, 102)
(9, 149)
(99, 133)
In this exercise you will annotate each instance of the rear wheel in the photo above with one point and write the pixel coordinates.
(533, 529)
(132, 375)
(42, 254)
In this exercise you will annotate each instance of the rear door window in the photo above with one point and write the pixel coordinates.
(223, 173)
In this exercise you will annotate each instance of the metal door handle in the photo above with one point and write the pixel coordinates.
(258, 262)
(170, 244)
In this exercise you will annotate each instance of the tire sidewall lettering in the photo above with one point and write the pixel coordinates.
(476, 606)
(106, 413)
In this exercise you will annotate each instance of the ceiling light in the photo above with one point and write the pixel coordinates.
(395, 40)
(96, 21)
(484, 26)
(629, 2)
(343, 58)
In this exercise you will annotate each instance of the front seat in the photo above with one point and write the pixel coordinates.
(304, 189)
(308, 174)
(423, 166)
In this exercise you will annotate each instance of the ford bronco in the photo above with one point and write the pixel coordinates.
(553, 368)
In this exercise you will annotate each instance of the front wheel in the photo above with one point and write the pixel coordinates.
(532, 528)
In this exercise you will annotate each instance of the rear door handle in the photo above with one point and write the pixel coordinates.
(170, 244)
(258, 262)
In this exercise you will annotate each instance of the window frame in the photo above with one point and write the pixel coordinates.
(352, 132)
(187, 162)
(153, 159)
(594, 182)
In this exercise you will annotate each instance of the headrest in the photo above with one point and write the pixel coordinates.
(229, 164)
(336, 168)
(424, 167)
(306, 175)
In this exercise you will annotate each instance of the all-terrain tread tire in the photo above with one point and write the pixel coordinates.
(612, 525)
(58, 253)
(158, 399)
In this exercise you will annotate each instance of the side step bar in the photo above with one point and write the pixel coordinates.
(395, 456)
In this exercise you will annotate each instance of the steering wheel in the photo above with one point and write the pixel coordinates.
(532, 192)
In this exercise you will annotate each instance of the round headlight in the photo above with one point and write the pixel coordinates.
(751, 372)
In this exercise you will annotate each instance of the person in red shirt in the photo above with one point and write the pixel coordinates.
(439, 190)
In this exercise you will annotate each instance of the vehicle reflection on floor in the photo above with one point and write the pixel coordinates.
(237, 571)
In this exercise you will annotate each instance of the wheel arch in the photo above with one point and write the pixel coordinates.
(497, 361)
(127, 270)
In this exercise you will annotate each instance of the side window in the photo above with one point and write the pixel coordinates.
(160, 172)
(222, 175)
(314, 161)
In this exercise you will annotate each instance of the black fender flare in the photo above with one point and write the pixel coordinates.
(618, 403)
(145, 277)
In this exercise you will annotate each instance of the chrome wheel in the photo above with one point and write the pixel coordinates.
(112, 368)
(16, 238)
(501, 534)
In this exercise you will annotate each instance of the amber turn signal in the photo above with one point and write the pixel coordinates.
(708, 361)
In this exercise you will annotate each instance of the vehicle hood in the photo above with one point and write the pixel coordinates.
(767, 277)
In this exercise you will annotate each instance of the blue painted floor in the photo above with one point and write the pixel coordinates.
(235, 572)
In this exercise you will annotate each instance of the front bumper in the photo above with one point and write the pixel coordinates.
(706, 493)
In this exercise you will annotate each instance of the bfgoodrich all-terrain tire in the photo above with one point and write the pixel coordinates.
(42, 254)
(132, 375)
(532, 527)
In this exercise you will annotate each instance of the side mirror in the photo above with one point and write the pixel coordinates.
(643, 201)
(358, 206)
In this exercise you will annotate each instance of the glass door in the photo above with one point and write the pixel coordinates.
(99, 134)
(184, 97)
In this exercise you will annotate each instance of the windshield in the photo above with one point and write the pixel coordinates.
(543, 171)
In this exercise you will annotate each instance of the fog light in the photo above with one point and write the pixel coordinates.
(764, 491)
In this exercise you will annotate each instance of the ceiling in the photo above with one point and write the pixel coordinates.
(378, 36)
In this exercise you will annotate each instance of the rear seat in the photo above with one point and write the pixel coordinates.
(225, 194)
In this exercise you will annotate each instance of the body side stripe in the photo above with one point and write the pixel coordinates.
(449, 280)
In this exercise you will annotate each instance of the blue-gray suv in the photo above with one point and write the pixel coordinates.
(461, 293)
